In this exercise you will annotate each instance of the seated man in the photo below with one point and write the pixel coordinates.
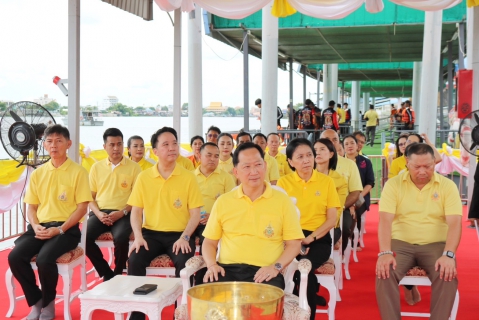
(243, 137)
(111, 182)
(57, 197)
(272, 171)
(258, 227)
(419, 220)
(169, 197)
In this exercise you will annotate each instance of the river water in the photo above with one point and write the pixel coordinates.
(146, 126)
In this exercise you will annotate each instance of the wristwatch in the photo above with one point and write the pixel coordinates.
(61, 230)
(278, 266)
(125, 212)
(186, 237)
(449, 254)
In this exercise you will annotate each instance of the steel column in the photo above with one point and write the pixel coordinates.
(74, 78)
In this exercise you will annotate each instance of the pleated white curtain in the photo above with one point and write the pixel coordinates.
(324, 9)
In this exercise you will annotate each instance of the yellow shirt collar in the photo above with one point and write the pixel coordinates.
(63, 167)
(155, 173)
(198, 172)
(407, 176)
(122, 162)
(314, 176)
(268, 191)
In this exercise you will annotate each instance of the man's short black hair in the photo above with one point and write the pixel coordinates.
(338, 105)
(418, 148)
(259, 134)
(359, 133)
(159, 132)
(407, 102)
(258, 101)
(57, 129)
(208, 144)
(272, 134)
(294, 144)
(332, 103)
(241, 134)
(196, 138)
(213, 128)
(371, 106)
(243, 147)
(112, 132)
(308, 102)
(345, 104)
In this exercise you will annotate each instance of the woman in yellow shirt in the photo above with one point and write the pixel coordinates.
(136, 152)
(226, 144)
(196, 143)
(318, 202)
(326, 162)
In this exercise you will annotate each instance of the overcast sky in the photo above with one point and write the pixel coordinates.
(121, 55)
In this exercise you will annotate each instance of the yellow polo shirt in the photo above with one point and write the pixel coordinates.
(372, 116)
(349, 170)
(398, 165)
(341, 189)
(145, 164)
(228, 167)
(272, 166)
(185, 163)
(165, 203)
(313, 197)
(57, 191)
(419, 215)
(113, 187)
(341, 114)
(213, 186)
(283, 166)
(252, 232)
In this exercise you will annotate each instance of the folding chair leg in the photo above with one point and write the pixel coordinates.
(346, 258)
(355, 245)
(10, 284)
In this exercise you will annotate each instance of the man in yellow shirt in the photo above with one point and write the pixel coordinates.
(185, 163)
(166, 201)
(111, 182)
(341, 114)
(256, 217)
(349, 170)
(243, 137)
(57, 198)
(213, 182)
(273, 145)
(420, 221)
(272, 173)
(372, 120)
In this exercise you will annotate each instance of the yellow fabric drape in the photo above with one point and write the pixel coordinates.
(282, 9)
(8, 171)
(86, 162)
(472, 3)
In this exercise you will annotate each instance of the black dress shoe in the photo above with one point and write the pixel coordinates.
(320, 301)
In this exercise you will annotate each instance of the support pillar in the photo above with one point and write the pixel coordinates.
(74, 78)
(246, 81)
(325, 86)
(461, 46)
(304, 82)
(177, 74)
(195, 72)
(291, 109)
(318, 78)
(473, 63)
(416, 88)
(450, 85)
(355, 101)
(333, 82)
(365, 102)
(270, 70)
(441, 101)
(430, 76)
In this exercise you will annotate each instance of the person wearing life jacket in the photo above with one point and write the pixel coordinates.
(408, 116)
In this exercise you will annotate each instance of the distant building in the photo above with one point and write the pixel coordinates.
(216, 107)
(43, 100)
(109, 101)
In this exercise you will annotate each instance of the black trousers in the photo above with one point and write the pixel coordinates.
(319, 253)
(245, 273)
(158, 243)
(121, 231)
(346, 228)
(474, 207)
(26, 247)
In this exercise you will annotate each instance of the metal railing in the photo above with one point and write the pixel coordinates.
(13, 222)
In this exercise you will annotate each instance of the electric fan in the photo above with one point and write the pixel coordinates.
(22, 126)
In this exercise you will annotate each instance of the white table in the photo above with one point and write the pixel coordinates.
(116, 295)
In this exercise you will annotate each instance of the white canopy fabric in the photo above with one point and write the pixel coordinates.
(324, 9)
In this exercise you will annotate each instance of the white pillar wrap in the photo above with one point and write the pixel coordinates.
(74, 78)
(416, 87)
(355, 101)
(195, 72)
(177, 73)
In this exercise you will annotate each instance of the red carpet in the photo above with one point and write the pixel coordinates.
(358, 296)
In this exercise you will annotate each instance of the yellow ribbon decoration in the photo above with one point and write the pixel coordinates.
(86, 162)
(282, 9)
(472, 3)
(9, 172)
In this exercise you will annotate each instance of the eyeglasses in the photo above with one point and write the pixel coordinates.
(402, 144)
(212, 135)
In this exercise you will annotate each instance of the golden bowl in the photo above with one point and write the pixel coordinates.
(235, 301)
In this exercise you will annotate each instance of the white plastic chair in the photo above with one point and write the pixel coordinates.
(74, 258)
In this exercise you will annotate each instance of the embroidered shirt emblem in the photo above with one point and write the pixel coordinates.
(63, 196)
(269, 231)
(317, 193)
(177, 204)
(435, 196)
(124, 184)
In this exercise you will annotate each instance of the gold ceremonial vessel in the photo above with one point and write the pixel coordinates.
(235, 301)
